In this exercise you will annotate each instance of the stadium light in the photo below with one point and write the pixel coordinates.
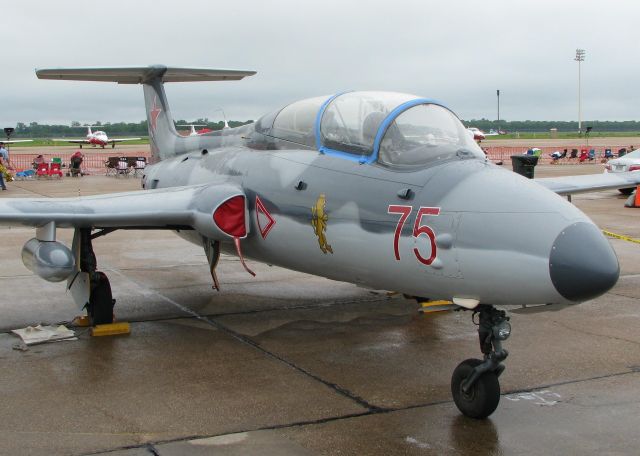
(579, 58)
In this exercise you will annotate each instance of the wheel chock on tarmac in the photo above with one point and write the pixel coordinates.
(82, 321)
(435, 306)
(634, 198)
(111, 329)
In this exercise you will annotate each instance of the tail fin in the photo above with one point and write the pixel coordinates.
(162, 132)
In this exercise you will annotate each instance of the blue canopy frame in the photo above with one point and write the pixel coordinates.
(382, 129)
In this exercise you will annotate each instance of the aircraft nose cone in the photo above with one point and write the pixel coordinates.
(582, 264)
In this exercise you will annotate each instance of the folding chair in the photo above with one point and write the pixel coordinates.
(139, 166)
(112, 166)
(55, 169)
(123, 167)
(43, 170)
(608, 154)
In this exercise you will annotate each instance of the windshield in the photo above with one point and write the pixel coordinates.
(296, 122)
(350, 121)
(426, 133)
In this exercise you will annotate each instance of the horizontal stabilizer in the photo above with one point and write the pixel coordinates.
(142, 75)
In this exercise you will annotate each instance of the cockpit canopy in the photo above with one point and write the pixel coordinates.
(393, 129)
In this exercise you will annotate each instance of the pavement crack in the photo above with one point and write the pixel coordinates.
(624, 295)
(250, 342)
(363, 414)
(593, 333)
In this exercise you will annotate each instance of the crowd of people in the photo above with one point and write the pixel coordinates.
(6, 167)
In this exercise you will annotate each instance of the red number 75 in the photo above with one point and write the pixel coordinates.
(418, 229)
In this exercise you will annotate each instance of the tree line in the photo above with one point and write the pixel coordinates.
(36, 130)
(525, 126)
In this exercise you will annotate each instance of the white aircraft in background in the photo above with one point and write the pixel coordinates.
(193, 131)
(479, 135)
(96, 138)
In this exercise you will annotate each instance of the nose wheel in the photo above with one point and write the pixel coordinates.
(474, 383)
(101, 302)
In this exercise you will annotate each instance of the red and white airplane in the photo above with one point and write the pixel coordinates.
(96, 138)
(202, 131)
(193, 131)
(479, 135)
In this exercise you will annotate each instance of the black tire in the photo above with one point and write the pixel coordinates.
(484, 396)
(100, 307)
(626, 191)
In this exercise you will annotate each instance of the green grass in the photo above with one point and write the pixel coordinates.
(49, 143)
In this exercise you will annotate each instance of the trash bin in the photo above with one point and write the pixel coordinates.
(524, 165)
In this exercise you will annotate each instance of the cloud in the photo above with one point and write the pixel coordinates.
(458, 52)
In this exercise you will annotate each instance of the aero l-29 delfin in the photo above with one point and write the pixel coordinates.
(96, 138)
(384, 190)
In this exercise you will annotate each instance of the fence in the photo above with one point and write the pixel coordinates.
(94, 163)
(501, 153)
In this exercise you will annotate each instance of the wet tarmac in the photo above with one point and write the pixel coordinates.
(290, 364)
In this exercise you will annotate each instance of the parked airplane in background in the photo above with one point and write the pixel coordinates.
(193, 131)
(479, 135)
(381, 189)
(96, 138)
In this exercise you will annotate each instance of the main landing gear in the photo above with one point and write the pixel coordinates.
(474, 383)
(101, 302)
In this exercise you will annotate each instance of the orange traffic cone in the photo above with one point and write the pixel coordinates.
(634, 199)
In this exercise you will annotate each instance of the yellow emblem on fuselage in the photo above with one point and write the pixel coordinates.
(319, 221)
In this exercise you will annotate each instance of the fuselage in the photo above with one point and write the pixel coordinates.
(98, 138)
(458, 228)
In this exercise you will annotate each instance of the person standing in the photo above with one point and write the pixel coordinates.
(2, 170)
(4, 154)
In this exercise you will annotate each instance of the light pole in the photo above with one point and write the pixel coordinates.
(579, 58)
(498, 94)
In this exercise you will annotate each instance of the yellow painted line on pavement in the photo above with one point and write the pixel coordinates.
(620, 236)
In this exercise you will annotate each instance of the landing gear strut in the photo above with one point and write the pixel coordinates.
(101, 302)
(474, 383)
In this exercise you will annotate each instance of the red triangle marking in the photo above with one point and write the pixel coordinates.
(261, 210)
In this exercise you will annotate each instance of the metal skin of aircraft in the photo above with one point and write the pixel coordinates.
(383, 190)
(96, 138)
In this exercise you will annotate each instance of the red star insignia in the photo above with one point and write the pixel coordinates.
(154, 113)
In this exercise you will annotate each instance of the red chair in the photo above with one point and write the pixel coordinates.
(42, 170)
(584, 155)
(56, 170)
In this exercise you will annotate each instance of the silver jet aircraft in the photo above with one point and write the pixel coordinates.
(384, 190)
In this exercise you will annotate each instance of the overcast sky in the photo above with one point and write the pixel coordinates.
(458, 52)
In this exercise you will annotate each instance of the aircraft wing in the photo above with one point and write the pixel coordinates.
(190, 207)
(116, 140)
(569, 185)
(6, 141)
(74, 141)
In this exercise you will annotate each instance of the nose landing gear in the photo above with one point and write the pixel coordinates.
(474, 383)
(101, 302)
